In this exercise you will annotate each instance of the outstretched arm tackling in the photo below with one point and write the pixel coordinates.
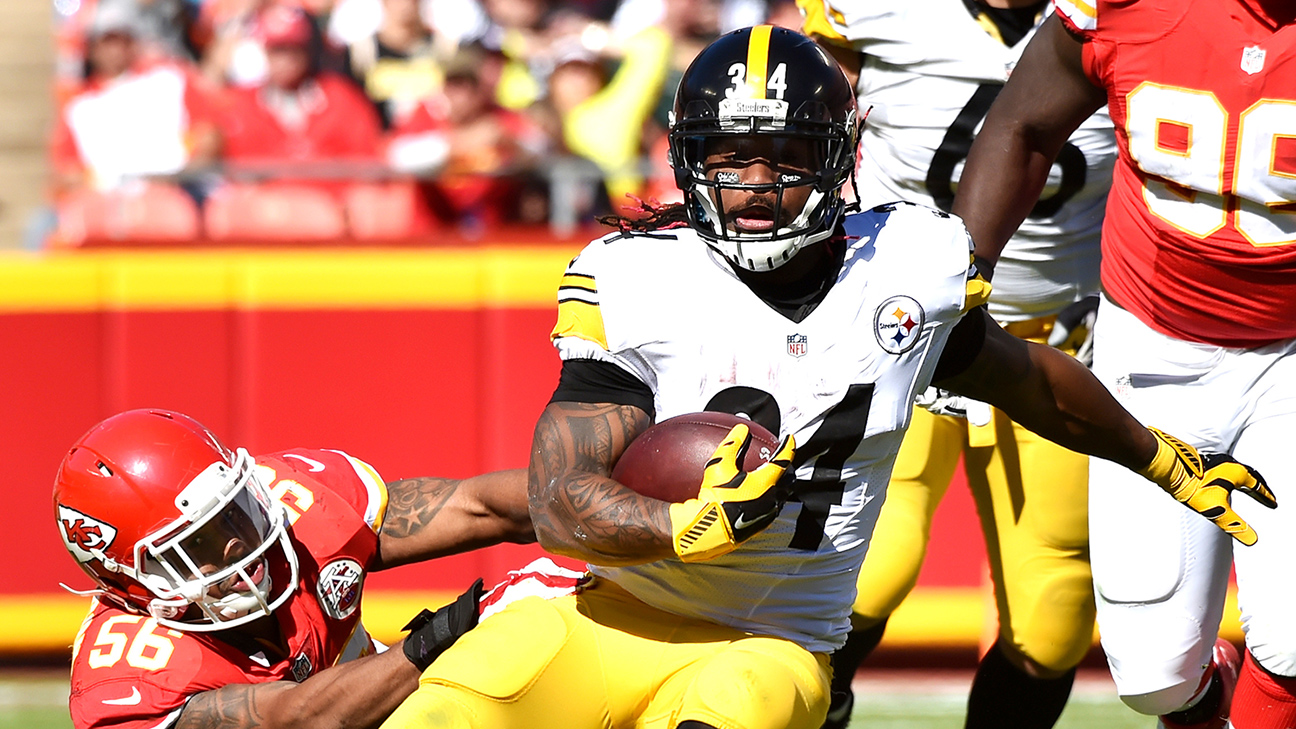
(1046, 98)
(360, 693)
(354, 695)
(434, 517)
(426, 518)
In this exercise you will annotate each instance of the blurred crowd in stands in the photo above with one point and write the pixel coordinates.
(366, 119)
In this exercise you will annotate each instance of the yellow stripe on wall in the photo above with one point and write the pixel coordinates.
(930, 617)
(285, 279)
(758, 59)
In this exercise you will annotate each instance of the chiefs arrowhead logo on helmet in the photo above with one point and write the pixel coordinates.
(82, 533)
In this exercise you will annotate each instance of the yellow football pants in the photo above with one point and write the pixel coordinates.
(603, 659)
(1031, 497)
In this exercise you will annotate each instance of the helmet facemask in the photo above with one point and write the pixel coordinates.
(215, 557)
(701, 131)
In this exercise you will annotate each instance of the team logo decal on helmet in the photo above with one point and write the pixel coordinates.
(340, 583)
(83, 534)
(897, 323)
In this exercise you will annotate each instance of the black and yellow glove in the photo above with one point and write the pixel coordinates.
(1203, 483)
(732, 504)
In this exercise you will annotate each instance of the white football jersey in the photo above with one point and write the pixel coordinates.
(928, 78)
(666, 308)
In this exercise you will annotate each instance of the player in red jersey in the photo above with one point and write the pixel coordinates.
(1197, 325)
(219, 575)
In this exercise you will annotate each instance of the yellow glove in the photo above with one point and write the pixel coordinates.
(732, 504)
(1204, 483)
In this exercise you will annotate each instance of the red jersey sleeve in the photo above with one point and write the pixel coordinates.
(354, 482)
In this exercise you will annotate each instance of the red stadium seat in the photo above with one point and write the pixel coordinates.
(152, 213)
(387, 211)
(278, 212)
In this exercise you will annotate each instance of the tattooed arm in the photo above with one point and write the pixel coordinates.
(577, 509)
(433, 517)
(356, 694)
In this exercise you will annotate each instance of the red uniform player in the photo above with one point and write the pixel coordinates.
(1197, 326)
(225, 582)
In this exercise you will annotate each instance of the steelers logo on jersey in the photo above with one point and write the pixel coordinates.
(897, 323)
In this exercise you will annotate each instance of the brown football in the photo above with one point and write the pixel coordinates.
(666, 460)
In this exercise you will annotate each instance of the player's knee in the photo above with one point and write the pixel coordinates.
(1046, 657)
(1052, 624)
(1165, 701)
(760, 682)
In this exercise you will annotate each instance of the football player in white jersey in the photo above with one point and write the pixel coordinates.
(759, 296)
(928, 70)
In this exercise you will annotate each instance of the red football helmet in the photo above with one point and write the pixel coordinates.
(170, 523)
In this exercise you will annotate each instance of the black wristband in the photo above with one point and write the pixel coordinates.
(431, 633)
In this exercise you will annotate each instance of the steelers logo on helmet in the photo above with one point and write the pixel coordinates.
(897, 323)
(763, 98)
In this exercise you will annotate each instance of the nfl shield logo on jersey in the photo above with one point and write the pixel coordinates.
(339, 588)
(797, 345)
(302, 668)
(897, 324)
(1253, 59)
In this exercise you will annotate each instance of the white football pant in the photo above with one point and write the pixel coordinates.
(1160, 570)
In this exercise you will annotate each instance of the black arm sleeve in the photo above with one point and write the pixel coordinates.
(591, 380)
(963, 345)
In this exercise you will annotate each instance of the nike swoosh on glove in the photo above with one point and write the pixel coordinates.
(1204, 483)
(732, 504)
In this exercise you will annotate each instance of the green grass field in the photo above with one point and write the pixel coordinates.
(912, 699)
(902, 700)
(34, 700)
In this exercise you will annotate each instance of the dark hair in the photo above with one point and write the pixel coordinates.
(649, 216)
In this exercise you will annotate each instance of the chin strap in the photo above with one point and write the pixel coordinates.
(95, 592)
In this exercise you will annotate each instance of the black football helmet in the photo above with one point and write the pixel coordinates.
(764, 81)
